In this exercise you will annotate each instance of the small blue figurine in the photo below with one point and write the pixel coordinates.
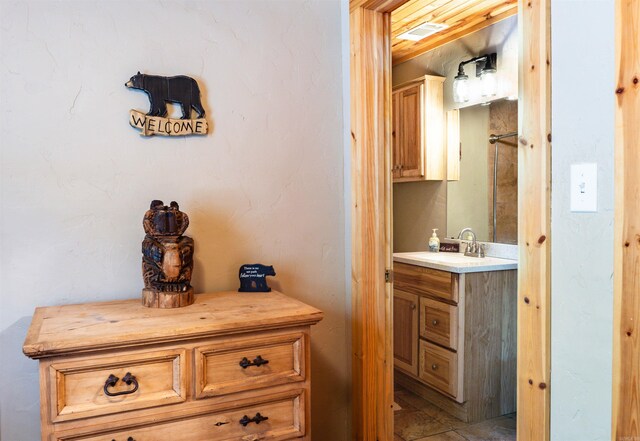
(253, 278)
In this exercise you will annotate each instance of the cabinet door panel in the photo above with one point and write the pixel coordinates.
(405, 331)
(411, 141)
(439, 368)
(439, 322)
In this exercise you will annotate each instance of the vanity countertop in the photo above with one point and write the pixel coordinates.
(455, 262)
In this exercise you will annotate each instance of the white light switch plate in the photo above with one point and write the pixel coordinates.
(584, 188)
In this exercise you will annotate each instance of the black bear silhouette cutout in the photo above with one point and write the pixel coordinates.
(253, 278)
(180, 89)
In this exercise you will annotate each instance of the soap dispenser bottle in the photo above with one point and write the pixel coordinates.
(434, 242)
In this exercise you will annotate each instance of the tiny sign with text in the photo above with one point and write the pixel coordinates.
(253, 277)
(449, 247)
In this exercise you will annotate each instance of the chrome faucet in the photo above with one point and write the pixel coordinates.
(467, 230)
(473, 248)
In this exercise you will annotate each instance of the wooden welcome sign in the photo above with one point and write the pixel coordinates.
(180, 89)
(155, 125)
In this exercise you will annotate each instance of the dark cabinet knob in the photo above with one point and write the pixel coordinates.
(258, 361)
(245, 420)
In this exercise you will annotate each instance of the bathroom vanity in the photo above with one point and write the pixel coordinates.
(455, 331)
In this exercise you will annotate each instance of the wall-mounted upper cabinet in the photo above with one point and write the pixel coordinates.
(418, 137)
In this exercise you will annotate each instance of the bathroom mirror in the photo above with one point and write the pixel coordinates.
(474, 201)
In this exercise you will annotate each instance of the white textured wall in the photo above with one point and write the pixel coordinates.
(582, 249)
(265, 186)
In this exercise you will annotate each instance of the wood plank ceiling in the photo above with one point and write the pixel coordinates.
(462, 16)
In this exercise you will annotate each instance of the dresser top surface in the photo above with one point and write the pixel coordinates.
(79, 328)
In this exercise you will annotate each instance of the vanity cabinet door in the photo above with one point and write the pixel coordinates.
(405, 331)
(411, 139)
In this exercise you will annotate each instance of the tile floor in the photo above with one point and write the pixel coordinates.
(419, 420)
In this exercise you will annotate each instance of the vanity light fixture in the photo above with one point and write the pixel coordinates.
(485, 69)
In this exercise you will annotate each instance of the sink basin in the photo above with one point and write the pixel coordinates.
(455, 262)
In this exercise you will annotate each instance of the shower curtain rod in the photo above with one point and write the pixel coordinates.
(494, 138)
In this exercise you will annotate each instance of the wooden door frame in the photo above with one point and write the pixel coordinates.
(372, 355)
(626, 286)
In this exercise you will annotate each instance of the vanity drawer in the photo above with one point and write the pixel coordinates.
(439, 368)
(439, 322)
(284, 421)
(247, 364)
(425, 281)
(79, 389)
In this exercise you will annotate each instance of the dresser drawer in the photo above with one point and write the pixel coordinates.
(81, 388)
(439, 322)
(425, 281)
(247, 364)
(439, 368)
(285, 419)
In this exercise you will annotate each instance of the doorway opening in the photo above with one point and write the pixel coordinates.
(455, 167)
(444, 309)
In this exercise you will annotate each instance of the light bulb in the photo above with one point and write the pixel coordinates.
(461, 89)
(488, 82)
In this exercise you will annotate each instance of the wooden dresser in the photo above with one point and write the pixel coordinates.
(229, 367)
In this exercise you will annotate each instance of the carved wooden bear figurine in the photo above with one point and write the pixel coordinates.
(253, 278)
(167, 257)
(180, 89)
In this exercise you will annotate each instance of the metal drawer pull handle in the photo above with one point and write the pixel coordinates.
(435, 322)
(128, 439)
(127, 379)
(434, 366)
(256, 419)
(258, 361)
